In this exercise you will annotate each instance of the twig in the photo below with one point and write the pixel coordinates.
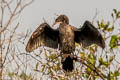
(10, 42)
(93, 68)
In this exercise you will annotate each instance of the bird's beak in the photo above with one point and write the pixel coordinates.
(55, 23)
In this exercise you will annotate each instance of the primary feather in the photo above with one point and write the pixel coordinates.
(44, 35)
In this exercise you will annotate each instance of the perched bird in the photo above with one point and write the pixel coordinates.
(65, 37)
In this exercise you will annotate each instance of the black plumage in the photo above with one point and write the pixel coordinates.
(44, 35)
(65, 36)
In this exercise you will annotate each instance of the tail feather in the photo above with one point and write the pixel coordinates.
(67, 64)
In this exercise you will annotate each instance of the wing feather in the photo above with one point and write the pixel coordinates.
(44, 35)
(88, 35)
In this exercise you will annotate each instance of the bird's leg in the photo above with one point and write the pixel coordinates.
(74, 57)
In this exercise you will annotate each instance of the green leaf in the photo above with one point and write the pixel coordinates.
(85, 75)
(118, 14)
(99, 24)
(23, 76)
(102, 62)
(88, 70)
(111, 58)
(115, 11)
(106, 25)
(116, 73)
(52, 56)
(102, 24)
(11, 74)
(37, 66)
(43, 68)
(92, 58)
(113, 41)
(110, 29)
(76, 44)
(112, 15)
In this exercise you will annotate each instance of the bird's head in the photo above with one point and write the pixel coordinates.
(61, 19)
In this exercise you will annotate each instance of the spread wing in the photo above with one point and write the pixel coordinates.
(44, 35)
(88, 35)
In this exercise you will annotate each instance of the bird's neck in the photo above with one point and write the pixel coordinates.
(63, 24)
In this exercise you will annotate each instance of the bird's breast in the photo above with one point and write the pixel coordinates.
(67, 40)
(67, 34)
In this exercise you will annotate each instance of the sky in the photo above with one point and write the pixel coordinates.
(77, 10)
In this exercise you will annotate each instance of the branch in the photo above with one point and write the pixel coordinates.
(93, 68)
(10, 42)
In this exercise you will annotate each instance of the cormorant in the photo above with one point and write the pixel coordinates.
(65, 36)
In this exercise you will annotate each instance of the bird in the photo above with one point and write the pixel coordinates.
(65, 38)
